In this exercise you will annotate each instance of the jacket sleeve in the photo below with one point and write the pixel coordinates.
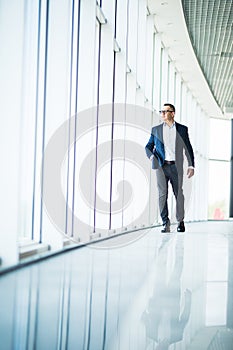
(189, 150)
(150, 146)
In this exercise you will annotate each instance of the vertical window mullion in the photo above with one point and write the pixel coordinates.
(75, 124)
(112, 128)
(44, 118)
(160, 76)
(70, 115)
(36, 123)
(97, 122)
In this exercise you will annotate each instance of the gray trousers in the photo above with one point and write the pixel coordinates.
(168, 172)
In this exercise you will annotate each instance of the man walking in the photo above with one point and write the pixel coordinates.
(165, 149)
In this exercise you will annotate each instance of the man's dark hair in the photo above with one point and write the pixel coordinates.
(171, 106)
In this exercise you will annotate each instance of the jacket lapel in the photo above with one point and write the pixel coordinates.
(179, 133)
(160, 133)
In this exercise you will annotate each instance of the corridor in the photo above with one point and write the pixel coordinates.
(85, 84)
(153, 291)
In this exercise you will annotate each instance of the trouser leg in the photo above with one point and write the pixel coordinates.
(177, 186)
(162, 184)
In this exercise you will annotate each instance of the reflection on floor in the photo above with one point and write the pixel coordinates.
(171, 291)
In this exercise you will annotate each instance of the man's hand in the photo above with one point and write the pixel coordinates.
(190, 172)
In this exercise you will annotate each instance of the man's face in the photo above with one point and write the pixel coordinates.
(167, 114)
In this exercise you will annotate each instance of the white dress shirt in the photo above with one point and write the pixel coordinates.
(169, 140)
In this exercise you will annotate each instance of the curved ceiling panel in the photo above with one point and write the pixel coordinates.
(210, 27)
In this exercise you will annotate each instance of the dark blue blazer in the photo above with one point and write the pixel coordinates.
(155, 146)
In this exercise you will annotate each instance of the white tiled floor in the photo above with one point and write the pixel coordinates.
(153, 291)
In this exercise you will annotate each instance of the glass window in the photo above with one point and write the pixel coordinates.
(184, 97)
(29, 119)
(171, 83)
(220, 139)
(157, 65)
(149, 59)
(141, 44)
(164, 76)
(219, 185)
(178, 96)
(219, 169)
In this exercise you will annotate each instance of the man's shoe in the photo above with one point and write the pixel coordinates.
(181, 227)
(166, 227)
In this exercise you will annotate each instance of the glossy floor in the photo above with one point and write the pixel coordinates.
(140, 291)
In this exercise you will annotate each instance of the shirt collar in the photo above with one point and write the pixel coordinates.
(172, 126)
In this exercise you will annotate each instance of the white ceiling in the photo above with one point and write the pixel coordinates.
(170, 23)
